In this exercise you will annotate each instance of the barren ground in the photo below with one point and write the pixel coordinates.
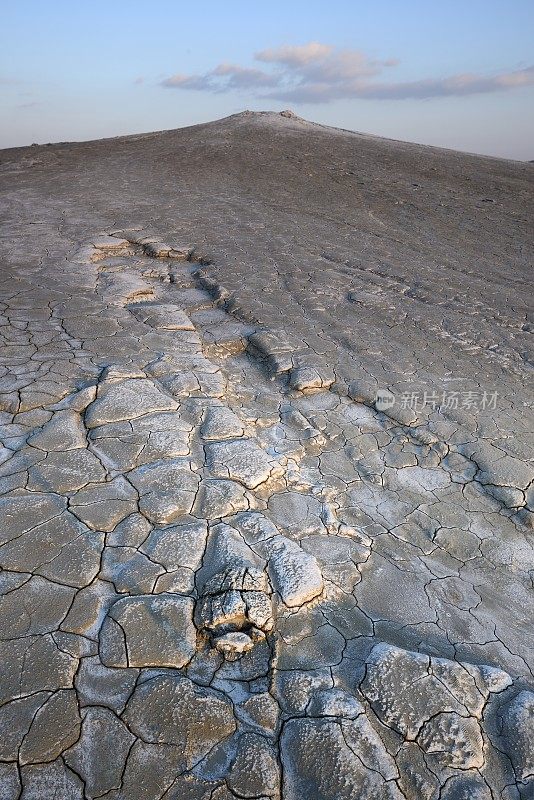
(228, 570)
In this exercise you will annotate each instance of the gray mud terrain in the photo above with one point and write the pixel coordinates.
(227, 570)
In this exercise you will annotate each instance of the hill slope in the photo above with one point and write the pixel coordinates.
(265, 476)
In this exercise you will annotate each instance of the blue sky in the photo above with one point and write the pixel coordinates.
(457, 73)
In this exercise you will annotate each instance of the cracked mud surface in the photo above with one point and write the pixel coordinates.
(225, 573)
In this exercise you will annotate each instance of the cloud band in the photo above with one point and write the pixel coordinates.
(319, 73)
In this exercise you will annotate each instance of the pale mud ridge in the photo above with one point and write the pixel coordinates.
(224, 573)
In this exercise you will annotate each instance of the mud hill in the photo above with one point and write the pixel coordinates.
(266, 468)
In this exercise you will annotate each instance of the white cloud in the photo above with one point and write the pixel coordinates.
(224, 78)
(200, 82)
(295, 55)
(320, 73)
(239, 77)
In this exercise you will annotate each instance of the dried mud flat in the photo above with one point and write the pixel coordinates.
(226, 571)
